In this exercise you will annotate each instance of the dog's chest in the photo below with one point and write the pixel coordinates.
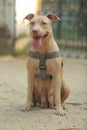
(51, 66)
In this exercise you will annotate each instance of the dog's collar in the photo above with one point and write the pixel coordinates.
(43, 57)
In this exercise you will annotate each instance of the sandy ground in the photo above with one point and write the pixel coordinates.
(13, 85)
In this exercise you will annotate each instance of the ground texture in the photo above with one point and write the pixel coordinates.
(13, 86)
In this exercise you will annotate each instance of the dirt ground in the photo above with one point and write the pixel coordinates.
(13, 85)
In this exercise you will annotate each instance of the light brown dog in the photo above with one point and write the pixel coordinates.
(49, 93)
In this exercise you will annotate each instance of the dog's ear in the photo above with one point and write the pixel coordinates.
(29, 16)
(53, 17)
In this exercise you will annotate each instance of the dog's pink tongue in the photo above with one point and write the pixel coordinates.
(37, 43)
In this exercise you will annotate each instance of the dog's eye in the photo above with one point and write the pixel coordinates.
(44, 23)
(32, 23)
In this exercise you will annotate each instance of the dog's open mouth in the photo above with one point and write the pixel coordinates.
(38, 37)
(38, 40)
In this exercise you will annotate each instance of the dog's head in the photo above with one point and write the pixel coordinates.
(40, 27)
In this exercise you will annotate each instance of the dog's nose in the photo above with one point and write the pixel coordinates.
(35, 31)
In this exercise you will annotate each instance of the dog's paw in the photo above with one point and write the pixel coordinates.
(26, 108)
(60, 112)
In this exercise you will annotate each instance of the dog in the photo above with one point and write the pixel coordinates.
(50, 92)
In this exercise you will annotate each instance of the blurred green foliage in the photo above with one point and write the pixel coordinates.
(82, 19)
(73, 14)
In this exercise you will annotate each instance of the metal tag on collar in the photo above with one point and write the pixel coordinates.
(42, 67)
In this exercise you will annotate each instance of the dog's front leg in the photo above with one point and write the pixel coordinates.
(58, 105)
(29, 91)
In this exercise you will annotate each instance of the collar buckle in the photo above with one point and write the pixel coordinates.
(42, 67)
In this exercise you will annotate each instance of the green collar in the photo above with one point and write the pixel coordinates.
(49, 55)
